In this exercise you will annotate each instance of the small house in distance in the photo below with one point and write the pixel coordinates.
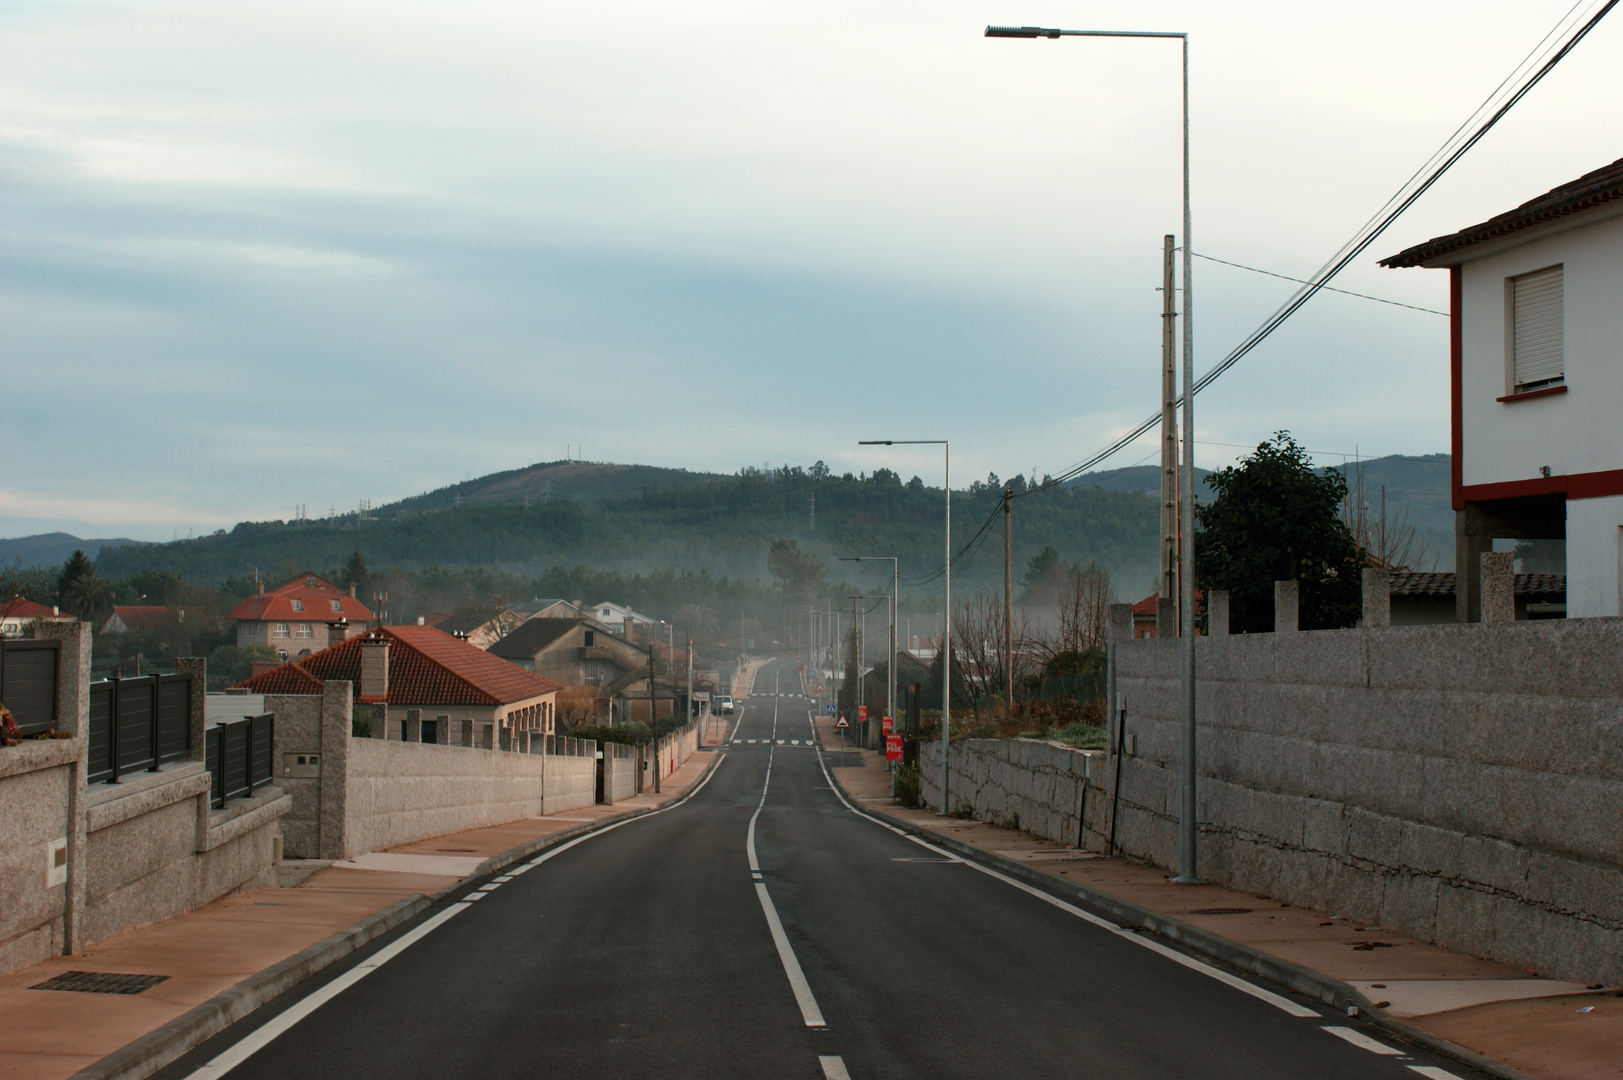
(433, 687)
(293, 618)
(17, 613)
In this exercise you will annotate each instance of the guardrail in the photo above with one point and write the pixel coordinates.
(238, 753)
(138, 724)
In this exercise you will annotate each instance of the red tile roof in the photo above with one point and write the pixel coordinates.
(1588, 191)
(316, 601)
(20, 608)
(152, 616)
(426, 667)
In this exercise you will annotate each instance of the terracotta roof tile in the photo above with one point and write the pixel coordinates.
(316, 601)
(426, 667)
(1593, 189)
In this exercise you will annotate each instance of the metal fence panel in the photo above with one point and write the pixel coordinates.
(174, 718)
(101, 732)
(28, 683)
(239, 757)
(137, 720)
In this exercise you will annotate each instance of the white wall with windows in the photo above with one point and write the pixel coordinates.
(1571, 431)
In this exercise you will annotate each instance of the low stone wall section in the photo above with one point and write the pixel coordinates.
(398, 792)
(570, 780)
(619, 772)
(1027, 784)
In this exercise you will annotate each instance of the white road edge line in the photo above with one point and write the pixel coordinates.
(809, 1011)
(1362, 1041)
(1279, 1002)
(268, 1033)
(1432, 1072)
(833, 1067)
(262, 1037)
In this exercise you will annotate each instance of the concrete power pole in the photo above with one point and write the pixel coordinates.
(1167, 585)
(653, 719)
(1008, 605)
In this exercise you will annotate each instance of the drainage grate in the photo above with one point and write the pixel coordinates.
(101, 982)
(1221, 911)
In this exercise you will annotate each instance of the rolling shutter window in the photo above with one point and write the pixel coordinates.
(1537, 322)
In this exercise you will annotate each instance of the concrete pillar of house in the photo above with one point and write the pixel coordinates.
(73, 714)
(336, 705)
(197, 668)
(1469, 547)
(1166, 617)
(412, 729)
(442, 729)
(467, 734)
(1287, 607)
(380, 721)
(1498, 578)
(1377, 598)
(1217, 613)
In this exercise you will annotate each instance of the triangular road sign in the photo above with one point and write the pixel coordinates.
(841, 723)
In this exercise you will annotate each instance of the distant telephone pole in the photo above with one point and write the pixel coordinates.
(1167, 583)
(1008, 605)
(653, 719)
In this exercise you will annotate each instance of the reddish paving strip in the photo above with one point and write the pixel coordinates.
(50, 1035)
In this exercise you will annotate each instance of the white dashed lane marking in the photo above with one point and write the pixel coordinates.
(1362, 1041)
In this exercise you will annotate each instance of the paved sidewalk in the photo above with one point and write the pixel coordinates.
(50, 1035)
(1508, 1015)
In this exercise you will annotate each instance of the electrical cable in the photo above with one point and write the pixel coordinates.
(1304, 281)
(1448, 154)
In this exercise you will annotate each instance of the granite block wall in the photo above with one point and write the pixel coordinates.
(1460, 783)
(1037, 787)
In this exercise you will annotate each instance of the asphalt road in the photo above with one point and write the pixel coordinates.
(655, 950)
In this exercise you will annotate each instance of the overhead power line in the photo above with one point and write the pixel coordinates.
(1304, 281)
(1534, 67)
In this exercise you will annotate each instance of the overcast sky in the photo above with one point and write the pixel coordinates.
(311, 253)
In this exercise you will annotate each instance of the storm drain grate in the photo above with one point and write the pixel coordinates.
(1221, 911)
(101, 982)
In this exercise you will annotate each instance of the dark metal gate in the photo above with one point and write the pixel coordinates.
(28, 682)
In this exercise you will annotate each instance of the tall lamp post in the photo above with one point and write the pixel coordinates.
(946, 629)
(1186, 831)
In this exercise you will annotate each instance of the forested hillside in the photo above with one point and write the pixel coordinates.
(719, 526)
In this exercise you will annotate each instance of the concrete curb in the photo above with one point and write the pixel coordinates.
(1332, 992)
(197, 1025)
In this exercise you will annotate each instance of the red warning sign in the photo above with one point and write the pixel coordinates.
(893, 747)
(841, 724)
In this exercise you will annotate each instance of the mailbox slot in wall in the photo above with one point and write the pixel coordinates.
(301, 765)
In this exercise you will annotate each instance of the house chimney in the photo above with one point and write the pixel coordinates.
(631, 628)
(374, 666)
(337, 631)
(256, 668)
(421, 621)
(261, 585)
(579, 605)
(352, 588)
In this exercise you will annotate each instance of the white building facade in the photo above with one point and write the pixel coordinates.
(1537, 381)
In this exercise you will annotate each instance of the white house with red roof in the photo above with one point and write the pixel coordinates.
(434, 687)
(294, 618)
(1536, 307)
(17, 613)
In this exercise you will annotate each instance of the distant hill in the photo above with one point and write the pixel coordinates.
(550, 480)
(53, 549)
(1146, 478)
(676, 520)
(1417, 495)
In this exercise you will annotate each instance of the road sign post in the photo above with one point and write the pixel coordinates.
(840, 725)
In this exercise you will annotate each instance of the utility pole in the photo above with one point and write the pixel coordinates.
(856, 650)
(687, 632)
(653, 719)
(1168, 581)
(1008, 606)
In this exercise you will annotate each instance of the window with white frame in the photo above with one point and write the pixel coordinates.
(303, 630)
(279, 630)
(1537, 359)
(336, 606)
(298, 605)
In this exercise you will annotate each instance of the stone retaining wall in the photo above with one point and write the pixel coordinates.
(1037, 787)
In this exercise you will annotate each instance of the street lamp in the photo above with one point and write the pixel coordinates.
(1186, 830)
(895, 602)
(946, 629)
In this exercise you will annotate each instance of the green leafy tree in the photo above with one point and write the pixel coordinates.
(1277, 518)
(799, 573)
(78, 566)
(356, 573)
(87, 597)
